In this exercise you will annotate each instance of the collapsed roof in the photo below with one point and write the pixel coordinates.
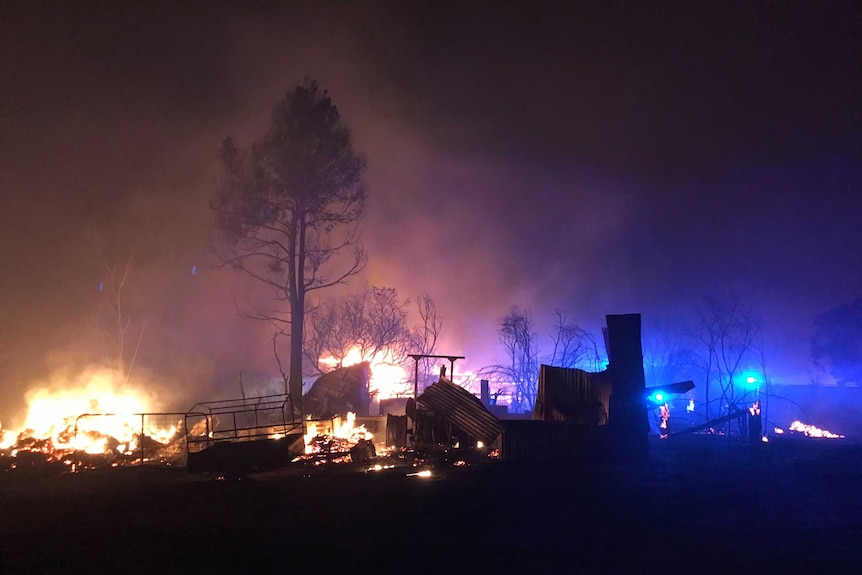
(457, 405)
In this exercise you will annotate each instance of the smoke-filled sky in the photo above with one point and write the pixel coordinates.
(578, 156)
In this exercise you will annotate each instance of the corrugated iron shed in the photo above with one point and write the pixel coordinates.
(462, 408)
(524, 439)
(573, 395)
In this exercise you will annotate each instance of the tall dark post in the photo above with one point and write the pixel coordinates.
(142, 440)
(628, 426)
(416, 379)
(485, 392)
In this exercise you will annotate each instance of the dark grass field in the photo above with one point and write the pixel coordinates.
(699, 505)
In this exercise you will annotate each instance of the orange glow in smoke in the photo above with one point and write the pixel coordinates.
(387, 380)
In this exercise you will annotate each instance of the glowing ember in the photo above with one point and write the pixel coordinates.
(424, 473)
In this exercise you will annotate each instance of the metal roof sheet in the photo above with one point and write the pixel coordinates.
(462, 408)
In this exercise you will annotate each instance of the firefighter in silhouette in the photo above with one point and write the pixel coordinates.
(664, 424)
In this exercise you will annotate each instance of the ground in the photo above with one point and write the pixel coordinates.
(697, 505)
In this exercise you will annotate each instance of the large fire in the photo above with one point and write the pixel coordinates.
(90, 414)
(388, 379)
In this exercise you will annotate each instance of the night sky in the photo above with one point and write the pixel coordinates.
(583, 156)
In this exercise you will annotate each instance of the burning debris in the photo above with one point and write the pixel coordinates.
(231, 436)
(93, 425)
(799, 428)
(82, 443)
(337, 440)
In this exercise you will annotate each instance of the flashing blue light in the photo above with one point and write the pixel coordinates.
(657, 397)
(751, 378)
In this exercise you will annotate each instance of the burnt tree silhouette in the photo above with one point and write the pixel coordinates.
(573, 346)
(726, 334)
(375, 323)
(287, 209)
(117, 351)
(518, 338)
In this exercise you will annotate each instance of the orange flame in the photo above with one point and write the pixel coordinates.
(57, 424)
(345, 429)
(812, 431)
(388, 380)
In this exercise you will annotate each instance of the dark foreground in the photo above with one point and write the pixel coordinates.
(705, 505)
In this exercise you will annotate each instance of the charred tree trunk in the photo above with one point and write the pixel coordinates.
(627, 421)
